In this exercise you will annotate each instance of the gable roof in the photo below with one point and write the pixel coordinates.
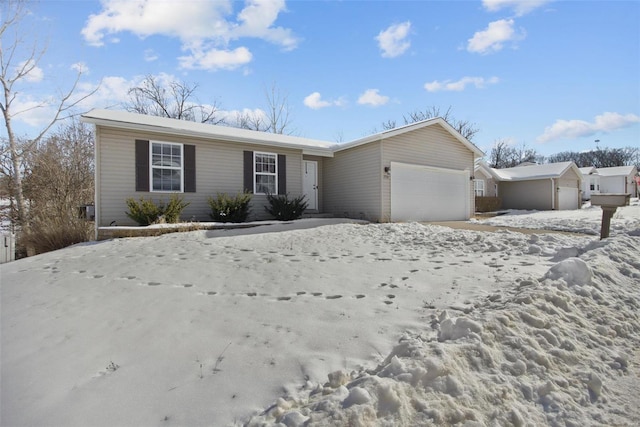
(483, 167)
(409, 128)
(527, 173)
(590, 170)
(142, 122)
(617, 171)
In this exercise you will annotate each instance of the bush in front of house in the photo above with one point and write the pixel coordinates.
(54, 232)
(284, 209)
(225, 208)
(147, 212)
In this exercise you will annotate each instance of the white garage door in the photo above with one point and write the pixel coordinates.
(567, 198)
(423, 193)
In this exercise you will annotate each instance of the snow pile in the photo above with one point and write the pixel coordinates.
(626, 220)
(211, 327)
(556, 351)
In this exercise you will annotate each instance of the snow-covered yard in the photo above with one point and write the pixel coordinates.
(340, 324)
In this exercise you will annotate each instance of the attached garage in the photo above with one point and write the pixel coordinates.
(425, 193)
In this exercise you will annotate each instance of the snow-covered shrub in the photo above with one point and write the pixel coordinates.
(147, 212)
(284, 209)
(225, 208)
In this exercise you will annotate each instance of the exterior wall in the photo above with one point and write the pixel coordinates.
(490, 189)
(616, 184)
(428, 146)
(569, 179)
(587, 182)
(351, 182)
(320, 179)
(219, 169)
(535, 194)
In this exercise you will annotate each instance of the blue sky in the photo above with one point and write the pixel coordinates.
(554, 75)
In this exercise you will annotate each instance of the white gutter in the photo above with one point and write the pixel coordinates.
(553, 195)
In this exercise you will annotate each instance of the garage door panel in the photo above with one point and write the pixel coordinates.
(567, 198)
(421, 193)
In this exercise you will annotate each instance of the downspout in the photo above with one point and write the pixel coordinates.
(553, 195)
(96, 181)
(382, 177)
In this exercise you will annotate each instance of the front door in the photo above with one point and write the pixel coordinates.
(310, 183)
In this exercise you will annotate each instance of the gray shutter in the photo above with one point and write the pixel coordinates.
(282, 174)
(248, 171)
(142, 165)
(189, 168)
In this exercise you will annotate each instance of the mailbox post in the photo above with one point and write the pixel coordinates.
(609, 202)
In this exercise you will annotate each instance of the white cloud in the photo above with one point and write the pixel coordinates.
(493, 38)
(257, 19)
(393, 41)
(197, 24)
(520, 7)
(460, 85)
(373, 98)
(315, 101)
(80, 67)
(150, 55)
(35, 74)
(571, 129)
(215, 59)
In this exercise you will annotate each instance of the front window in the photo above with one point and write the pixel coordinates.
(266, 173)
(478, 186)
(166, 166)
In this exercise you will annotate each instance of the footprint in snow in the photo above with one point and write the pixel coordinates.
(333, 296)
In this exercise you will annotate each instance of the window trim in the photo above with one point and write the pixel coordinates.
(152, 167)
(255, 173)
(476, 189)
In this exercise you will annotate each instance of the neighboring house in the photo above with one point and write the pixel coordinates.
(485, 183)
(419, 172)
(619, 179)
(590, 182)
(553, 186)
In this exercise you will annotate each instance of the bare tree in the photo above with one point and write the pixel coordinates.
(600, 157)
(505, 155)
(17, 64)
(464, 127)
(274, 118)
(172, 99)
(58, 179)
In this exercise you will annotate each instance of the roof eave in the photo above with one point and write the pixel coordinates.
(315, 151)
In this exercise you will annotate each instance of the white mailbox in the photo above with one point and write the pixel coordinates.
(609, 202)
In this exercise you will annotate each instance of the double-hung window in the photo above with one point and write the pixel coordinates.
(478, 186)
(166, 166)
(265, 173)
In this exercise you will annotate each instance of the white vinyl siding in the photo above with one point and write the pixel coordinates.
(351, 182)
(219, 169)
(534, 194)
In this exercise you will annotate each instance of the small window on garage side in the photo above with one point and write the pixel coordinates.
(265, 173)
(478, 186)
(166, 166)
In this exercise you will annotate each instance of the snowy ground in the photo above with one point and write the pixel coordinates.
(342, 324)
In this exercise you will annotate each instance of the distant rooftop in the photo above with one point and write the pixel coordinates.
(534, 171)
